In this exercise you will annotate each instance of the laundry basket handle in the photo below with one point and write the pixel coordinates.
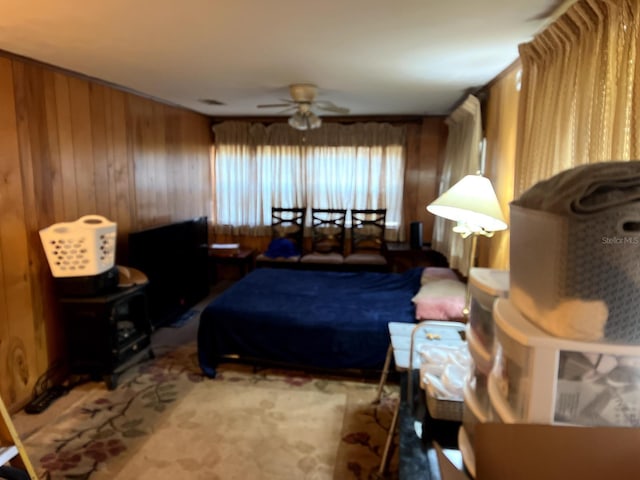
(92, 219)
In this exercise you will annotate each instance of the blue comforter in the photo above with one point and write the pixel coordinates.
(308, 318)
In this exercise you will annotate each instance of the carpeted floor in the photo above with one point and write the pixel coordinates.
(166, 421)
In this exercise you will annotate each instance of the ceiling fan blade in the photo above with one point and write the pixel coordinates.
(331, 107)
(274, 105)
(289, 109)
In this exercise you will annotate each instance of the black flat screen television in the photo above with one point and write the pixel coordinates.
(174, 257)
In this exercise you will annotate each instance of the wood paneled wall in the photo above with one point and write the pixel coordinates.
(71, 146)
(426, 144)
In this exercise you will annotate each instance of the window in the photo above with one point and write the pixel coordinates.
(257, 167)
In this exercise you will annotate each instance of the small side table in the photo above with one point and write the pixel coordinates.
(406, 341)
(242, 261)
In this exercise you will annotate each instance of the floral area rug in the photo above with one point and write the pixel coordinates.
(166, 421)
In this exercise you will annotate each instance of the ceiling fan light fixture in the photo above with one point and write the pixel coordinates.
(313, 120)
(305, 120)
(297, 121)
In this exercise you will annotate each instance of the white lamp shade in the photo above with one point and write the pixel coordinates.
(471, 201)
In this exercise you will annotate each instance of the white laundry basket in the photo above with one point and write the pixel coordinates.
(81, 248)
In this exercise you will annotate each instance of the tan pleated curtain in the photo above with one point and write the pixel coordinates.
(462, 157)
(580, 97)
(501, 130)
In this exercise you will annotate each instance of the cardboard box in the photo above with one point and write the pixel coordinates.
(546, 452)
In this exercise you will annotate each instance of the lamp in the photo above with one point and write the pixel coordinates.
(304, 118)
(473, 204)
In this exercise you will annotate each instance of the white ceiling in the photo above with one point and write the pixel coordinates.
(375, 57)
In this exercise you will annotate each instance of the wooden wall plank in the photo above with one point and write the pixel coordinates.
(18, 342)
(143, 160)
(198, 133)
(425, 152)
(55, 167)
(121, 185)
(161, 162)
(100, 149)
(411, 177)
(175, 170)
(69, 187)
(81, 137)
(432, 148)
(37, 200)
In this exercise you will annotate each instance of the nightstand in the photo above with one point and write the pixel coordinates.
(233, 265)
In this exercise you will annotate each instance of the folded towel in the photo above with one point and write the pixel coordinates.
(585, 190)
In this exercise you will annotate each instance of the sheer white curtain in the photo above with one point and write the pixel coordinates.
(256, 167)
(462, 157)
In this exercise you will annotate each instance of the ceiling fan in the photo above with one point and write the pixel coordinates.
(302, 103)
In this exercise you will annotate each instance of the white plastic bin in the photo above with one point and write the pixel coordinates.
(482, 365)
(473, 412)
(84, 247)
(538, 378)
(482, 357)
(578, 279)
(485, 285)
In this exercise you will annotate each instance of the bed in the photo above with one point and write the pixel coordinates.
(322, 319)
